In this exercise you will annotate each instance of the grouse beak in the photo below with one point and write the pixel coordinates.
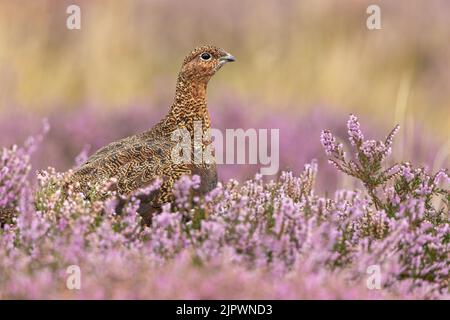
(227, 58)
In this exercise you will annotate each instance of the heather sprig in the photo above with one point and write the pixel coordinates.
(390, 187)
(15, 166)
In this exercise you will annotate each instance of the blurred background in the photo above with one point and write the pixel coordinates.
(302, 66)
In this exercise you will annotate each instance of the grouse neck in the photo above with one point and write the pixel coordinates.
(189, 104)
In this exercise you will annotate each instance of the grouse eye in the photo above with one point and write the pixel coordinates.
(205, 56)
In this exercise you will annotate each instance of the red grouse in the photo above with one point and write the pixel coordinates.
(138, 160)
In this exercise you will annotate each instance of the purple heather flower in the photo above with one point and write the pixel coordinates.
(390, 137)
(354, 132)
(332, 148)
(406, 172)
(441, 177)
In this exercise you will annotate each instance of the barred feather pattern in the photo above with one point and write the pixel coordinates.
(136, 161)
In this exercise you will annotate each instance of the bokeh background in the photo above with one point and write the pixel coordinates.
(302, 66)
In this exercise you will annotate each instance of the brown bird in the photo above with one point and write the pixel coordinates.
(136, 161)
(7, 215)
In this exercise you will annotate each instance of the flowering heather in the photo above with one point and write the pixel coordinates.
(15, 167)
(254, 239)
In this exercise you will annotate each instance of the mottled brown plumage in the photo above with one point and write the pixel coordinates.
(7, 215)
(137, 160)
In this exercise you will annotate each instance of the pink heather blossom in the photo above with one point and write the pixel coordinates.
(330, 145)
(354, 132)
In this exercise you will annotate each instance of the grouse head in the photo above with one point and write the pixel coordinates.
(203, 62)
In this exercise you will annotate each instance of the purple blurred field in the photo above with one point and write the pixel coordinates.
(90, 128)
